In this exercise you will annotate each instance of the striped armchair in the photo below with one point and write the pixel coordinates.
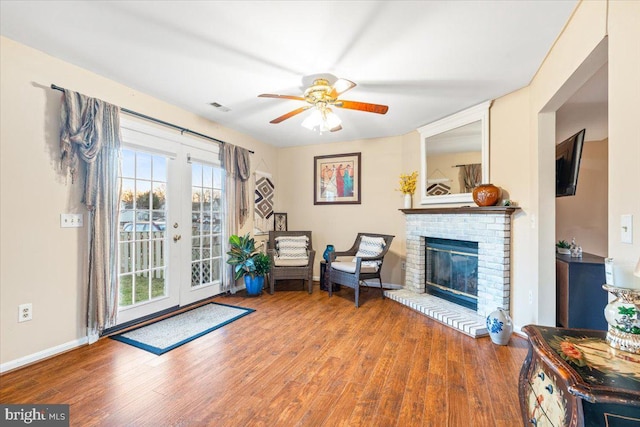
(364, 262)
(292, 257)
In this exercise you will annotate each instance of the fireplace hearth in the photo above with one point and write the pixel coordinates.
(487, 227)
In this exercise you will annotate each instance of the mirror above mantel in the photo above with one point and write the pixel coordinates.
(454, 156)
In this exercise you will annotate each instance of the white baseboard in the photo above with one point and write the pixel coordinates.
(373, 284)
(41, 355)
(518, 331)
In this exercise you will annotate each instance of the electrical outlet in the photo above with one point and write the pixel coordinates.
(403, 265)
(70, 220)
(25, 312)
(530, 297)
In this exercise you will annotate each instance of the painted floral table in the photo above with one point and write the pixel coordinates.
(572, 377)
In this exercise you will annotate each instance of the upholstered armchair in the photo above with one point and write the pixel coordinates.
(364, 262)
(292, 256)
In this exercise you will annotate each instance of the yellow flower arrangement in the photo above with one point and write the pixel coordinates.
(408, 183)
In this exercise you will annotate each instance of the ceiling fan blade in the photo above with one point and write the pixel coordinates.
(341, 86)
(336, 129)
(362, 106)
(269, 95)
(290, 114)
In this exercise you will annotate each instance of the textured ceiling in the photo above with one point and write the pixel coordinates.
(424, 59)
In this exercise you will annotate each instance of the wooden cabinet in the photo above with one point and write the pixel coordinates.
(580, 299)
(571, 377)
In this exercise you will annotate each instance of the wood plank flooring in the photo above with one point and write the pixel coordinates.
(299, 360)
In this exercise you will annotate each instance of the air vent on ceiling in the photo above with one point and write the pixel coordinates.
(220, 107)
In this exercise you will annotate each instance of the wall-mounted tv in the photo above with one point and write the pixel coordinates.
(568, 154)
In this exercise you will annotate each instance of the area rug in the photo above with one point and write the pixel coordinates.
(167, 334)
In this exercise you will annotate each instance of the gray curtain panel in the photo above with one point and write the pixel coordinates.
(237, 168)
(90, 133)
(470, 176)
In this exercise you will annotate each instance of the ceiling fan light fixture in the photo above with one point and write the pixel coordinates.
(322, 119)
(320, 96)
(313, 120)
(331, 119)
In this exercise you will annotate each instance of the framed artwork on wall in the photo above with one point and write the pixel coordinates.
(263, 203)
(280, 221)
(336, 179)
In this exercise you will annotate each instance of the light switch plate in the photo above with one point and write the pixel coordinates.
(70, 220)
(626, 228)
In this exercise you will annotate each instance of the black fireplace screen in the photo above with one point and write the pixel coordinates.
(452, 270)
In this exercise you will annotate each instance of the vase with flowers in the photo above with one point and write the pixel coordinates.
(408, 187)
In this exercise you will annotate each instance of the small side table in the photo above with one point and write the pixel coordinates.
(571, 377)
(324, 279)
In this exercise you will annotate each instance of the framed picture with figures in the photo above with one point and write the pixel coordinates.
(336, 179)
(280, 221)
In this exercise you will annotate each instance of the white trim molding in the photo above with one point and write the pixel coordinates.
(41, 355)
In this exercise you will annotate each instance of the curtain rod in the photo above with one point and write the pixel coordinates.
(162, 122)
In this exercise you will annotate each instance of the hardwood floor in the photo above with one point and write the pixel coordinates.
(298, 360)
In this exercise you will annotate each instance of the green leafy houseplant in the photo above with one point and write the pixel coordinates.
(245, 259)
(248, 262)
(563, 247)
(262, 263)
(242, 255)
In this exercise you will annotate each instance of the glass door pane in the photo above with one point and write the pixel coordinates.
(142, 243)
(206, 221)
(170, 239)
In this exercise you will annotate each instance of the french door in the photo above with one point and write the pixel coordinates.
(171, 222)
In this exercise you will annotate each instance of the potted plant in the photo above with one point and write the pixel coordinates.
(563, 247)
(408, 187)
(262, 262)
(248, 262)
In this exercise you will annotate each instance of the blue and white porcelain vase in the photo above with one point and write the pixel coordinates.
(327, 251)
(623, 317)
(500, 326)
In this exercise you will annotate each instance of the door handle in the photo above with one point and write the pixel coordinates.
(176, 237)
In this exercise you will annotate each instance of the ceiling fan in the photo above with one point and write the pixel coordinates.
(322, 96)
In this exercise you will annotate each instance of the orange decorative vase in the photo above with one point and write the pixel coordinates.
(486, 195)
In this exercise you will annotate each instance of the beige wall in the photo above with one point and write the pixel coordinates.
(511, 169)
(624, 128)
(382, 163)
(40, 262)
(584, 216)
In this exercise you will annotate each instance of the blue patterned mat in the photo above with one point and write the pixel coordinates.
(174, 331)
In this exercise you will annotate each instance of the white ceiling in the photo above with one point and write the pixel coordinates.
(424, 59)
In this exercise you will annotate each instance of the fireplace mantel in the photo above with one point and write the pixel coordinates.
(507, 210)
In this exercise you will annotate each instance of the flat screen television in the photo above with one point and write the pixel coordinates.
(568, 154)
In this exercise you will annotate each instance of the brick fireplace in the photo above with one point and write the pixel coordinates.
(490, 227)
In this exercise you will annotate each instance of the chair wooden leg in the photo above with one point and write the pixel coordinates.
(310, 283)
(381, 288)
(271, 284)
